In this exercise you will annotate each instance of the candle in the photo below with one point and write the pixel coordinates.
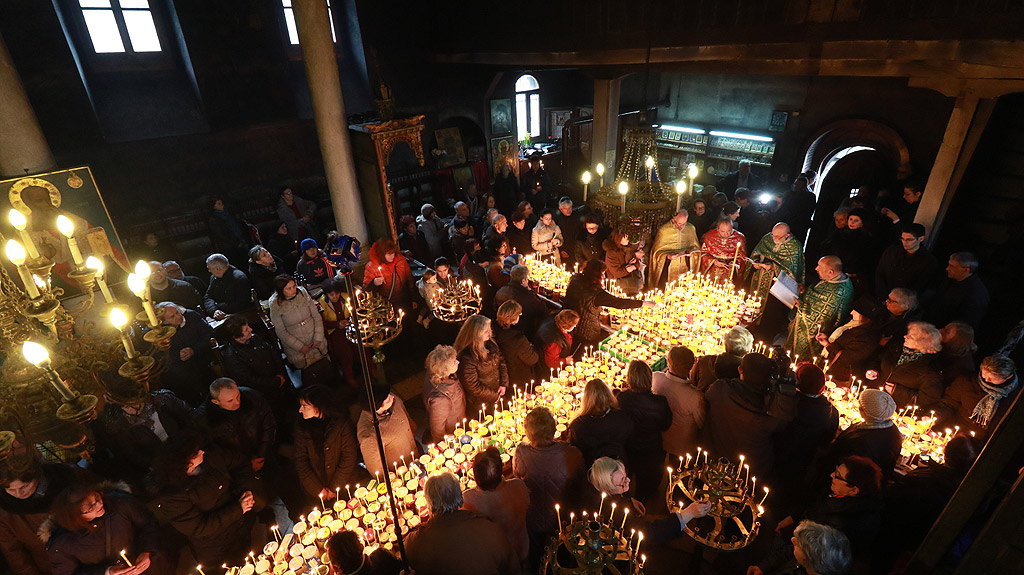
(277, 536)
(349, 491)
(119, 320)
(680, 190)
(639, 540)
(67, 229)
(558, 512)
(623, 190)
(200, 567)
(20, 223)
(321, 495)
(763, 498)
(125, 557)
(611, 516)
(625, 514)
(16, 254)
(137, 286)
(586, 183)
(680, 468)
(601, 507)
(600, 173)
(94, 263)
(687, 465)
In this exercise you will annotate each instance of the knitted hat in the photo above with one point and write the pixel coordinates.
(308, 243)
(876, 405)
(810, 379)
(864, 306)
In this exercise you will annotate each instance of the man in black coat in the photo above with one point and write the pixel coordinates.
(229, 291)
(907, 265)
(188, 358)
(797, 209)
(534, 309)
(238, 419)
(743, 417)
(962, 297)
(568, 221)
(588, 244)
(163, 288)
(810, 432)
(741, 178)
(519, 234)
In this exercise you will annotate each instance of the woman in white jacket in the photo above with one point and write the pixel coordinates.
(297, 323)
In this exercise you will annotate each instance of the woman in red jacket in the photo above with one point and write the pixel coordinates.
(389, 274)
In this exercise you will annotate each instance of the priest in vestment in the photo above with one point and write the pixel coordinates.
(671, 248)
(722, 246)
(777, 252)
(820, 308)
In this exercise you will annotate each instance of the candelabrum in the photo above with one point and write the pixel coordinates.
(735, 515)
(378, 321)
(593, 545)
(456, 303)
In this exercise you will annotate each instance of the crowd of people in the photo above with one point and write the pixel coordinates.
(231, 444)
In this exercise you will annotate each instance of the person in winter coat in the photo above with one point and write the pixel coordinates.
(978, 402)
(520, 355)
(442, 392)
(25, 500)
(163, 288)
(482, 368)
(230, 234)
(326, 449)
(686, 403)
(229, 291)
(651, 417)
(739, 421)
(209, 495)
(710, 368)
(90, 524)
(389, 274)
(600, 428)
(297, 323)
(297, 213)
(911, 373)
(504, 502)
(851, 347)
(546, 238)
(433, 230)
(275, 237)
(313, 266)
(189, 356)
(412, 241)
(876, 438)
(586, 297)
(344, 353)
(624, 262)
(251, 362)
(553, 470)
(263, 268)
(588, 245)
(396, 428)
(555, 338)
(518, 289)
(239, 420)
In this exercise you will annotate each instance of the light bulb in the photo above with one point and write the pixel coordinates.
(15, 252)
(599, 169)
(65, 226)
(136, 284)
(623, 187)
(35, 353)
(692, 171)
(94, 263)
(681, 187)
(142, 269)
(117, 318)
(586, 178)
(17, 220)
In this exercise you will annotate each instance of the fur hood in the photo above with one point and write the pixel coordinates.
(49, 526)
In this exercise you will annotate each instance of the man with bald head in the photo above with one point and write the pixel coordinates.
(820, 308)
(777, 252)
(671, 249)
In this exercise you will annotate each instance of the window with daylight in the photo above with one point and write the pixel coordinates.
(289, 20)
(527, 107)
(120, 26)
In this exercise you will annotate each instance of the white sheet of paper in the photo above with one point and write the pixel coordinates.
(785, 290)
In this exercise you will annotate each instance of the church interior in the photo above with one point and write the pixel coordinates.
(347, 286)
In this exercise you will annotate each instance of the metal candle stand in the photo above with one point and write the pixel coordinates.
(455, 304)
(594, 547)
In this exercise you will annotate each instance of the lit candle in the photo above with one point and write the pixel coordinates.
(763, 498)
(601, 507)
(558, 512)
(20, 223)
(600, 173)
(623, 190)
(680, 190)
(277, 536)
(96, 264)
(125, 557)
(349, 491)
(16, 254)
(611, 516)
(119, 320)
(200, 567)
(625, 514)
(687, 466)
(321, 495)
(67, 229)
(586, 183)
(137, 286)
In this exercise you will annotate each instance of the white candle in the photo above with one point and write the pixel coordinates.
(67, 229)
(20, 223)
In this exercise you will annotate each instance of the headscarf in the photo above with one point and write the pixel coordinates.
(990, 402)
(876, 407)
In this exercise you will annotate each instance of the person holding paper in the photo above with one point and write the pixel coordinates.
(819, 308)
(777, 252)
(724, 247)
(673, 243)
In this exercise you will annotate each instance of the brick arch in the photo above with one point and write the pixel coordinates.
(856, 132)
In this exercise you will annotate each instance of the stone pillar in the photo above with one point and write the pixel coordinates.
(606, 126)
(966, 123)
(23, 148)
(313, 25)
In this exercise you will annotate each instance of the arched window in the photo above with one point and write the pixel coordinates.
(527, 107)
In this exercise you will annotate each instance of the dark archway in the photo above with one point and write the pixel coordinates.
(844, 134)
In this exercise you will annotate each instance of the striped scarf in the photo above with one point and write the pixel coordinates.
(986, 408)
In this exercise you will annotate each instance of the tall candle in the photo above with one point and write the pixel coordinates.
(20, 223)
(67, 229)
(16, 254)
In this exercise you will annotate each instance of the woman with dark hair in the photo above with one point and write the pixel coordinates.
(624, 261)
(600, 428)
(504, 502)
(336, 317)
(700, 217)
(326, 450)
(91, 524)
(263, 267)
(313, 266)
(482, 368)
(586, 297)
(651, 415)
(230, 233)
(346, 555)
(209, 495)
(297, 213)
(389, 274)
(275, 237)
(297, 323)
(412, 241)
(469, 249)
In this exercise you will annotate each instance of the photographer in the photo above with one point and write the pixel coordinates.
(744, 414)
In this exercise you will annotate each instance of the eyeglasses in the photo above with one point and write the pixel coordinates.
(835, 475)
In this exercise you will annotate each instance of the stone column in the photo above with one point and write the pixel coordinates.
(606, 126)
(23, 148)
(313, 25)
